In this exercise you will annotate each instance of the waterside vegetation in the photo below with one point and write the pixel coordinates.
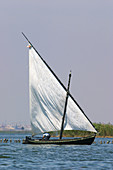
(104, 130)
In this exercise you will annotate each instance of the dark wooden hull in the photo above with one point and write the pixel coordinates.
(76, 141)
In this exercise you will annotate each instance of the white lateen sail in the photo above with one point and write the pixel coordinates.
(47, 100)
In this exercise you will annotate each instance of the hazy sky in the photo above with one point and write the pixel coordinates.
(69, 34)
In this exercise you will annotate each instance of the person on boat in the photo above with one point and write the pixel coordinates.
(46, 136)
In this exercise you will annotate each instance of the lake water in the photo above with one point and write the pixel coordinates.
(18, 156)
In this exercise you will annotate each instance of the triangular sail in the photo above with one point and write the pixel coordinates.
(47, 100)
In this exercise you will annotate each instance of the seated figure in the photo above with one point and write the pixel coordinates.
(46, 136)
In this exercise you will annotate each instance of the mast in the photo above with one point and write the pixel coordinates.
(62, 126)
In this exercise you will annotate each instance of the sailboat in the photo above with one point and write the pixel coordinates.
(52, 107)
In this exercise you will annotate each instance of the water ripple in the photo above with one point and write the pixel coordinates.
(18, 156)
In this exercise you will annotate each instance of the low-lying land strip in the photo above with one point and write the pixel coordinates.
(104, 130)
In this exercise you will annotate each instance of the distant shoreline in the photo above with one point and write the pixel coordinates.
(15, 131)
(29, 132)
(105, 131)
(104, 136)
